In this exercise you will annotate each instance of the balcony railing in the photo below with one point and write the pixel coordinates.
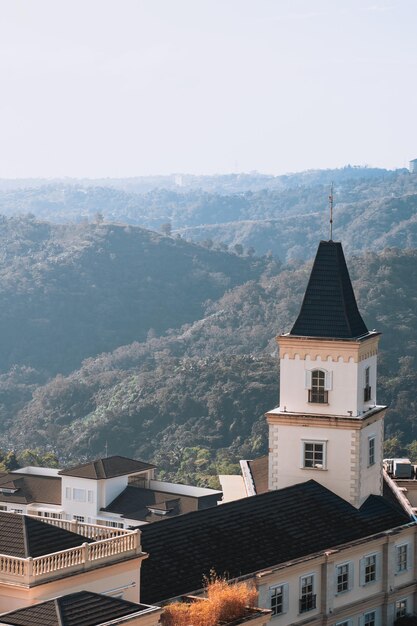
(308, 602)
(91, 531)
(58, 564)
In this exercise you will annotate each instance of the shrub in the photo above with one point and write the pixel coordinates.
(224, 603)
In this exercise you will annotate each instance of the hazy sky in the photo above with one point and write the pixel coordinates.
(131, 87)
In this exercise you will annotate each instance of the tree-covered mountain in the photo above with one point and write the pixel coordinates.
(73, 291)
(193, 400)
(285, 214)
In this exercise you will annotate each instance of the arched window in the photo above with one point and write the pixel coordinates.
(317, 392)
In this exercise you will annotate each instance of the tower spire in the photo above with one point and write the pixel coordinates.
(331, 211)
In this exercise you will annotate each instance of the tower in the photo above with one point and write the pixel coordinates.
(328, 425)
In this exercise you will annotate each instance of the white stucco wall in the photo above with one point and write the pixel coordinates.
(286, 457)
(346, 393)
(370, 477)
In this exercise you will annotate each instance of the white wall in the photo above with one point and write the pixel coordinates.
(72, 507)
(345, 395)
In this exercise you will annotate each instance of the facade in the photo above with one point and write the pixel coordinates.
(413, 166)
(115, 492)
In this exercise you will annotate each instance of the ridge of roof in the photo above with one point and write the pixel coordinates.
(109, 467)
(329, 308)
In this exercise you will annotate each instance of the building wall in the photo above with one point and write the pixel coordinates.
(370, 476)
(345, 395)
(286, 457)
(83, 508)
(333, 608)
(120, 579)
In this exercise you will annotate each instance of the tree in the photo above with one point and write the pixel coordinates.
(238, 248)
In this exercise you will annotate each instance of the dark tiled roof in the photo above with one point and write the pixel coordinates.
(259, 471)
(76, 609)
(30, 488)
(137, 503)
(107, 468)
(25, 536)
(251, 534)
(329, 307)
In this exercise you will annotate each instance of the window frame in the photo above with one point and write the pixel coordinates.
(371, 450)
(349, 577)
(402, 565)
(315, 465)
(318, 386)
(284, 587)
(398, 610)
(307, 599)
(79, 495)
(364, 564)
(374, 618)
(367, 390)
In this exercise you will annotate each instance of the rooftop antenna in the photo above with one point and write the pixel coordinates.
(331, 211)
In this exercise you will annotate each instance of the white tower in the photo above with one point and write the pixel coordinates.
(328, 425)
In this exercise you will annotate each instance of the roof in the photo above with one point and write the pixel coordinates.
(76, 609)
(137, 503)
(110, 467)
(30, 488)
(24, 536)
(259, 470)
(329, 307)
(251, 534)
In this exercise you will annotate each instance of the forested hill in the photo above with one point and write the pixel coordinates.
(69, 292)
(193, 400)
(284, 215)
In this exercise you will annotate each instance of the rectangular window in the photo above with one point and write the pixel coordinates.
(18, 511)
(342, 574)
(401, 558)
(369, 619)
(279, 599)
(112, 524)
(314, 454)
(78, 495)
(371, 451)
(90, 496)
(68, 493)
(400, 608)
(367, 388)
(79, 518)
(368, 567)
(3, 507)
(307, 595)
(317, 392)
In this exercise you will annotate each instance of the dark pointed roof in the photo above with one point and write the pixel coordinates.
(329, 307)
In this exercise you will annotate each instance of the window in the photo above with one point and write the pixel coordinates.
(90, 496)
(79, 518)
(369, 619)
(401, 558)
(18, 511)
(400, 608)
(3, 507)
(279, 599)
(317, 392)
(370, 567)
(314, 454)
(68, 493)
(307, 595)
(78, 495)
(367, 389)
(344, 577)
(112, 524)
(371, 451)
(347, 622)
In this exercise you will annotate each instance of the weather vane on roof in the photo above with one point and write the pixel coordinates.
(331, 211)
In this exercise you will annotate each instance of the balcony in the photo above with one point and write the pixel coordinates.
(308, 602)
(109, 545)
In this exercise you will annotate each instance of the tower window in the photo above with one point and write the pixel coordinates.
(314, 454)
(317, 392)
(367, 389)
(371, 451)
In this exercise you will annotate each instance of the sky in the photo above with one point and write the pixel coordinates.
(94, 88)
